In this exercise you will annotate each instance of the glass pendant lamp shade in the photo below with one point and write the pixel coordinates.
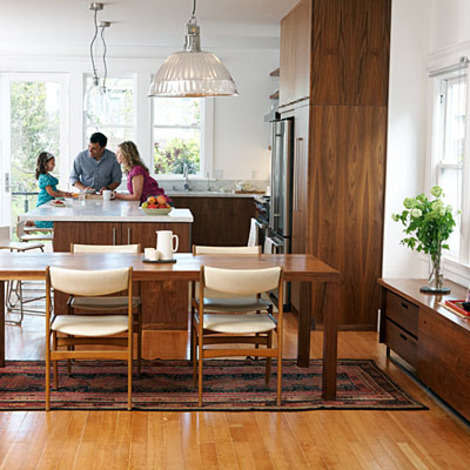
(192, 72)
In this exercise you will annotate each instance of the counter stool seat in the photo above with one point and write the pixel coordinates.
(106, 303)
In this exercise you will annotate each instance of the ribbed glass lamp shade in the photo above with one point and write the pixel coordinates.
(192, 74)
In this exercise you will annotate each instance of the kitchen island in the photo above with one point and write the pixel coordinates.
(98, 222)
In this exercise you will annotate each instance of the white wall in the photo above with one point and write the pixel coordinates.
(407, 128)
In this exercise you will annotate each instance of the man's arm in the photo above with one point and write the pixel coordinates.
(75, 176)
(116, 176)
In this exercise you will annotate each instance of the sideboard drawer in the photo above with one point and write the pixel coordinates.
(402, 312)
(401, 342)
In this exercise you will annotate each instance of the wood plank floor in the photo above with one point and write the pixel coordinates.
(69, 440)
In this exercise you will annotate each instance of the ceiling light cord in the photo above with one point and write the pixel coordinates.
(105, 67)
(93, 65)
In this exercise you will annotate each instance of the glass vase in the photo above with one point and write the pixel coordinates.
(436, 278)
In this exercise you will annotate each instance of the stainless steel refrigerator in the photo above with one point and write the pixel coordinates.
(280, 210)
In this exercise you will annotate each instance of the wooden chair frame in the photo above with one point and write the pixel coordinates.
(53, 355)
(201, 337)
(137, 316)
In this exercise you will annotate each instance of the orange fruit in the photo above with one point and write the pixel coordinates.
(161, 199)
(151, 200)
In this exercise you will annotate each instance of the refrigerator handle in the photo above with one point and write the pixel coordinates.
(298, 143)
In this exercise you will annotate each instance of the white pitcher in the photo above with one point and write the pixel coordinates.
(165, 246)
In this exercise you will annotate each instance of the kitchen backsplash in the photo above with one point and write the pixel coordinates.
(226, 186)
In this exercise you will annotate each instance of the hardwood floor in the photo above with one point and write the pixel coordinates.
(431, 439)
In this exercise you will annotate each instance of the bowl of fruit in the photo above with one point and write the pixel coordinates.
(156, 205)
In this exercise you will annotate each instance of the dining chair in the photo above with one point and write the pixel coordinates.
(26, 233)
(217, 302)
(14, 289)
(109, 303)
(211, 329)
(88, 330)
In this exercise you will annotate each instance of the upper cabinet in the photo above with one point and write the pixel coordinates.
(296, 42)
(336, 52)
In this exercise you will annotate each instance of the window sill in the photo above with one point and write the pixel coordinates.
(456, 271)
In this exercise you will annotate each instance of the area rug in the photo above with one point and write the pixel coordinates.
(235, 385)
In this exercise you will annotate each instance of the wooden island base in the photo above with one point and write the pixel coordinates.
(164, 303)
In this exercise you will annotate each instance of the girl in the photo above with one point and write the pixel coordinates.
(47, 184)
(139, 183)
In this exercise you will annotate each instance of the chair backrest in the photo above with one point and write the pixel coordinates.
(241, 282)
(77, 248)
(89, 282)
(4, 233)
(226, 250)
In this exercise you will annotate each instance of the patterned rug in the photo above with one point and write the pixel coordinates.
(236, 385)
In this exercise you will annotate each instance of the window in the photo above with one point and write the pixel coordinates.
(112, 113)
(450, 153)
(177, 136)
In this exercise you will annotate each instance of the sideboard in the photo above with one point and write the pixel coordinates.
(434, 342)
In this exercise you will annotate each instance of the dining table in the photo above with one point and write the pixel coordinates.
(303, 268)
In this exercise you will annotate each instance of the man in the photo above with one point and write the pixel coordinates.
(96, 169)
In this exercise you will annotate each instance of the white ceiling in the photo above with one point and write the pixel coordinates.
(140, 27)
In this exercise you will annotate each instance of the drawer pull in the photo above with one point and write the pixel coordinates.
(402, 336)
(404, 305)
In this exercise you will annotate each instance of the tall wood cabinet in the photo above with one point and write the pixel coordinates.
(340, 146)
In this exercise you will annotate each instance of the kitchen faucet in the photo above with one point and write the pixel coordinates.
(186, 185)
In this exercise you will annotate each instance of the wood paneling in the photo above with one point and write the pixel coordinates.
(93, 233)
(295, 53)
(350, 52)
(219, 221)
(347, 157)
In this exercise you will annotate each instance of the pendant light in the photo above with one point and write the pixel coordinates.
(96, 100)
(192, 72)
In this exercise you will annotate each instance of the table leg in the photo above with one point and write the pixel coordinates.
(305, 318)
(330, 354)
(2, 323)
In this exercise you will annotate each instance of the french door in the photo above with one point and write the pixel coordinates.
(33, 119)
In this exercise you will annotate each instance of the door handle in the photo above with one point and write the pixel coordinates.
(114, 235)
(128, 235)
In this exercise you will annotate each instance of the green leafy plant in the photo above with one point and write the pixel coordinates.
(428, 224)
(177, 154)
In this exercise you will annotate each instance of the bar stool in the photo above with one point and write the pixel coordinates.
(15, 288)
(26, 233)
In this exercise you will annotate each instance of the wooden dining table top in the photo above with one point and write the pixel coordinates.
(296, 267)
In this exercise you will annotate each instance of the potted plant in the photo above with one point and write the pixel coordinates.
(428, 224)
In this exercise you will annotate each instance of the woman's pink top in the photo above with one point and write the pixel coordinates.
(150, 188)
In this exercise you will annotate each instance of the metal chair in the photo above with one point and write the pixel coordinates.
(217, 328)
(15, 300)
(91, 329)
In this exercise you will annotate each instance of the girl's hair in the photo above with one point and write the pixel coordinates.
(130, 156)
(41, 163)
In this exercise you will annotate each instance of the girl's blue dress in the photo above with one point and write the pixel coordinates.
(45, 180)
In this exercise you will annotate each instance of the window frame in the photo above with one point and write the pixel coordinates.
(457, 267)
(207, 142)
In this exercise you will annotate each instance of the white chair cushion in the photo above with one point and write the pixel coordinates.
(234, 304)
(30, 238)
(21, 246)
(87, 325)
(241, 324)
(91, 303)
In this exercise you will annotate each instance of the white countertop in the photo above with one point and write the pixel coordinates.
(96, 210)
(210, 194)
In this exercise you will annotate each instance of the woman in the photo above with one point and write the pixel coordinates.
(139, 183)
(47, 183)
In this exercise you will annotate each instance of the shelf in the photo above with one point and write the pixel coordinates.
(275, 73)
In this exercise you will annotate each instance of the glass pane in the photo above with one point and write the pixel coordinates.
(115, 107)
(115, 135)
(173, 148)
(451, 182)
(177, 112)
(454, 127)
(35, 128)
